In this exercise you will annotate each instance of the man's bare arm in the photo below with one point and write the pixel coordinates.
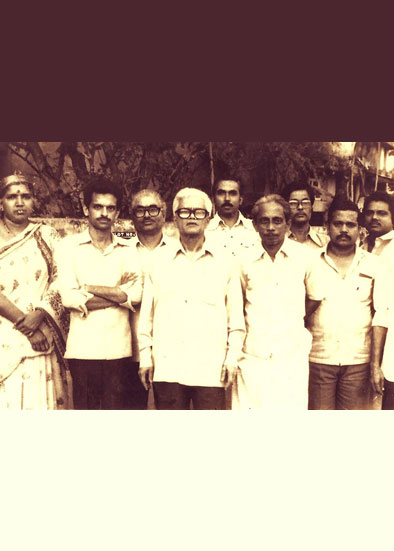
(378, 341)
(99, 303)
(113, 294)
(311, 306)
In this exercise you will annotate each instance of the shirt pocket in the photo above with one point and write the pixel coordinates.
(363, 286)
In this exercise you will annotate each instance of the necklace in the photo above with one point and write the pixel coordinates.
(7, 229)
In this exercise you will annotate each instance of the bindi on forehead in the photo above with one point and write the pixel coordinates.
(17, 189)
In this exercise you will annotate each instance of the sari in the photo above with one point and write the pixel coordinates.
(33, 379)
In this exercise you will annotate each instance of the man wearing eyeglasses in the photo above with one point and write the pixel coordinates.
(300, 197)
(191, 325)
(148, 212)
(100, 281)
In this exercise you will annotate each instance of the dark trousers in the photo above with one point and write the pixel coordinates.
(339, 387)
(176, 396)
(136, 397)
(106, 384)
(388, 395)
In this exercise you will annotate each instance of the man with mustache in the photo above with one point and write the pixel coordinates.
(378, 213)
(100, 281)
(280, 291)
(148, 212)
(301, 197)
(229, 228)
(342, 325)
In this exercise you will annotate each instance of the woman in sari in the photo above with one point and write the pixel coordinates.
(33, 373)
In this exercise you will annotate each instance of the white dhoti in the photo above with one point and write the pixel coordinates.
(277, 379)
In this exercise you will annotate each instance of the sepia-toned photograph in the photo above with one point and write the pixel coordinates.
(196, 276)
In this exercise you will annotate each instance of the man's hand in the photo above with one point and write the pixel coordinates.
(128, 277)
(30, 323)
(146, 376)
(377, 378)
(227, 375)
(38, 341)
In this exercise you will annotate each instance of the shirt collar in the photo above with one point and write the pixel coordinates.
(84, 237)
(164, 241)
(208, 247)
(217, 221)
(286, 249)
(312, 234)
(358, 256)
(387, 236)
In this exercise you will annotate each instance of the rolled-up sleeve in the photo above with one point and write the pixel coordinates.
(235, 316)
(382, 298)
(314, 283)
(133, 290)
(145, 324)
(67, 284)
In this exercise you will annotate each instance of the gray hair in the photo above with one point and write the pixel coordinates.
(192, 192)
(148, 193)
(273, 198)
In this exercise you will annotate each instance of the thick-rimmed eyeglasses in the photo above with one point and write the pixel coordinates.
(304, 203)
(139, 212)
(199, 214)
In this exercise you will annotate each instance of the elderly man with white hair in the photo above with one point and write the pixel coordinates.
(191, 325)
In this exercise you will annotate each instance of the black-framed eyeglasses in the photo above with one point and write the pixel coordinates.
(199, 214)
(303, 203)
(139, 212)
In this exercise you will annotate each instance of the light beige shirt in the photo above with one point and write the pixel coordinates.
(146, 256)
(275, 294)
(191, 320)
(97, 334)
(239, 239)
(341, 326)
(316, 239)
(384, 247)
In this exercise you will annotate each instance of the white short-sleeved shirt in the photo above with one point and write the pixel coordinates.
(341, 326)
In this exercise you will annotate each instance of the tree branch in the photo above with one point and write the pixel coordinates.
(25, 159)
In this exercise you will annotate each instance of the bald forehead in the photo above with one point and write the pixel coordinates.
(270, 208)
(146, 199)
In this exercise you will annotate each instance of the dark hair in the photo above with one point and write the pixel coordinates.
(298, 186)
(342, 203)
(380, 196)
(272, 198)
(101, 184)
(13, 179)
(228, 178)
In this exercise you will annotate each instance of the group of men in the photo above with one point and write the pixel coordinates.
(230, 312)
